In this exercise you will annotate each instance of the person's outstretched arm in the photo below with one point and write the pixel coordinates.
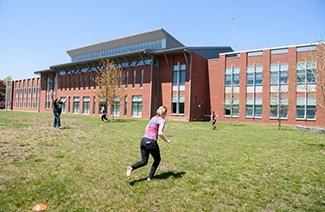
(65, 99)
(52, 96)
(161, 133)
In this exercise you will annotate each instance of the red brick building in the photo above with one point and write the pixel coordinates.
(23, 94)
(249, 86)
(262, 85)
(159, 70)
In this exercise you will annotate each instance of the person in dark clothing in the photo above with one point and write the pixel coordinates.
(57, 110)
(213, 120)
(149, 144)
(103, 114)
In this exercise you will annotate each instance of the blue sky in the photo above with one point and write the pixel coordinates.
(35, 34)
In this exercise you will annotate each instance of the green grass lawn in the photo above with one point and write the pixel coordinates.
(239, 167)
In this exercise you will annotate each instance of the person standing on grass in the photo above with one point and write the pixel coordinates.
(149, 144)
(103, 114)
(213, 120)
(57, 110)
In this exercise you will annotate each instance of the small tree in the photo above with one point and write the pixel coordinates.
(279, 104)
(109, 82)
(279, 88)
(7, 79)
(311, 74)
(318, 72)
(2, 87)
(231, 103)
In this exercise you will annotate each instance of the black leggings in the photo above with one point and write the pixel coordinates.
(103, 117)
(148, 146)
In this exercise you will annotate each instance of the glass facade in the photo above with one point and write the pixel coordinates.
(93, 68)
(156, 44)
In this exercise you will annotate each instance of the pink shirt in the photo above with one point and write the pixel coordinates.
(153, 127)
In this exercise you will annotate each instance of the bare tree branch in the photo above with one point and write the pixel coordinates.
(109, 80)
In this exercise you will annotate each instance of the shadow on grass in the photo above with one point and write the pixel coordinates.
(321, 146)
(121, 120)
(65, 128)
(162, 176)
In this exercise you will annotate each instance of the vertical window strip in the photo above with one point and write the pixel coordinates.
(142, 78)
(134, 78)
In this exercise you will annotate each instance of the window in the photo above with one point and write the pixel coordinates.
(254, 75)
(21, 96)
(119, 80)
(279, 51)
(126, 79)
(232, 76)
(306, 73)
(279, 74)
(137, 106)
(48, 90)
(134, 78)
(254, 107)
(306, 48)
(250, 79)
(179, 74)
(94, 105)
(76, 103)
(33, 96)
(257, 53)
(37, 99)
(89, 82)
(85, 81)
(86, 105)
(63, 105)
(8, 95)
(95, 84)
(278, 107)
(178, 105)
(74, 82)
(62, 83)
(125, 106)
(232, 107)
(116, 106)
(29, 96)
(142, 78)
(233, 55)
(306, 108)
(24, 97)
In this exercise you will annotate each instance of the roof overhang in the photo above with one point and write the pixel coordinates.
(130, 56)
